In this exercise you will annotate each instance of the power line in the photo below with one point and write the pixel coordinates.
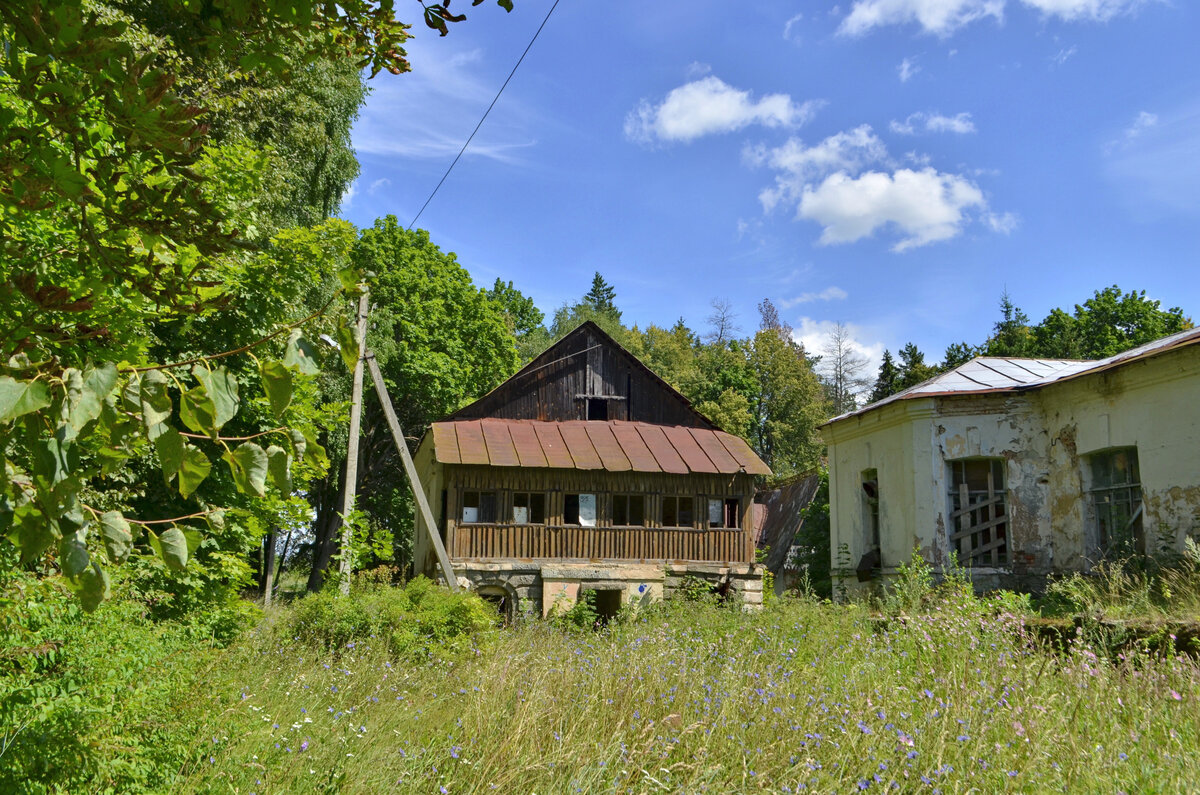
(485, 114)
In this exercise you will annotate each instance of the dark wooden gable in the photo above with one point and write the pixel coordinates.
(586, 375)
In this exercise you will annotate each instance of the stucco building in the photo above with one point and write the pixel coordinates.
(1023, 467)
(585, 471)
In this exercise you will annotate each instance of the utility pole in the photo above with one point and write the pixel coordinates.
(351, 486)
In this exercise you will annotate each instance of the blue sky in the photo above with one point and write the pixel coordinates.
(890, 164)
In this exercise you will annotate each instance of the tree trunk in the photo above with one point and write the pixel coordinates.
(268, 565)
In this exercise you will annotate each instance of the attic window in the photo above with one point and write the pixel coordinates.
(478, 507)
(597, 409)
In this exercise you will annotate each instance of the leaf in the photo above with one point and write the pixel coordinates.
(193, 538)
(279, 466)
(248, 464)
(174, 548)
(222, 387)
(300, 355)
(193, 470)
(53, 460)
(216, 520)
(299, 443)
(93, 587)
(277, 383)
(169, 446)
(198, 411)
(350, 279)
(155, 403)
(348, 344)
(32, 534)
(73, 555)
(118, 541)
(98, 384)
(18, 398)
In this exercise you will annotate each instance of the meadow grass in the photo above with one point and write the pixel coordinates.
(692, 697)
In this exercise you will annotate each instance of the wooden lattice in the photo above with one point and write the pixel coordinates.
(981, 519)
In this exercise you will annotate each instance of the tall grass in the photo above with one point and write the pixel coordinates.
(691, 697)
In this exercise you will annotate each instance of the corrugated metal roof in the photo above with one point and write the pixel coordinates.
(614, 446)
(993, 374)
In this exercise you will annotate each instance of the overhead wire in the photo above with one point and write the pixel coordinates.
(495, 99)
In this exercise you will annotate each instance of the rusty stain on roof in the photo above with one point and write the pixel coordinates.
(614, 446)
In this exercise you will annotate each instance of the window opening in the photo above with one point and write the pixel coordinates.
(723, 512)
(478, 507)
(606, 602)
(528, 507)
(677, 512)
(870, 491)
(979, 512)
(597, 409)
(1115, 499)
(580, 509)
(628, 510)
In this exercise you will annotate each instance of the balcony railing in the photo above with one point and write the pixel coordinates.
(505, 541)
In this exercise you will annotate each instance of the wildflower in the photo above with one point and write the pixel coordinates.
(304, 745)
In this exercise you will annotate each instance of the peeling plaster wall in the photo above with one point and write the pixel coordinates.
(1044, 437)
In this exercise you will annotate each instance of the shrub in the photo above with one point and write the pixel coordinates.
(412, 619)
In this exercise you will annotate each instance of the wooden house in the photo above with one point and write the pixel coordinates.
(585, 471)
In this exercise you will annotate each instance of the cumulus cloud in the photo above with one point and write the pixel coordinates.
(831, 293)
(944, 17)
(940, 17)
(798, 164)
(708, 106)
(934, 122)
(907, 68)
(923, 206)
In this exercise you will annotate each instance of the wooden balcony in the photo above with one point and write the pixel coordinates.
(527, 542)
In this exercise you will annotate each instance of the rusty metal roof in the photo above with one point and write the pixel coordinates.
(988, 374)
(614, 446)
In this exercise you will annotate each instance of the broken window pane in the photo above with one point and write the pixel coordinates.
(723, 512)
(478, 507)
(1115, 499)
(979, 512)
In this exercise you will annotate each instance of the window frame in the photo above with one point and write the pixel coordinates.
(725, 503)
(530, 496)
(676, 499)
(627, 499)
(992, 526)
(1105, 543)
(478, 506)
(578, 505)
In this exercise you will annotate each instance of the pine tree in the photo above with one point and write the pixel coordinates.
(602, 297)
(913, 369)
(887, 381)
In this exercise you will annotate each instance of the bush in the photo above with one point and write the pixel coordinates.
(412, 619)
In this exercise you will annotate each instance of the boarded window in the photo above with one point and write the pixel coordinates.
(723, 512)
(528, 507)
(478, 507)
(580, 509)
(979, 512)
(628, 510)
(677, 512)
(1115, 499)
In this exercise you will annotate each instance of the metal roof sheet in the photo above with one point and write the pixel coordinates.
(615, 446)
(996, 374)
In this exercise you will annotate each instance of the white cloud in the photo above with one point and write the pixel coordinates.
(940, 17)
(1063, 55)
(1003, 223)
(1154, 166)
(1095, 10)
(799, 165)
(696, 69)
(708, 106)
(787, 28)
(934, 122)
(396, 122)
(907, 68)
(924, 206)
(379, 184)
(1143, 122)
(348, 196)
(831, 293)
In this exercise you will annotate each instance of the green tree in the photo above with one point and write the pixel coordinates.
(1011, 336)
(602, 297)
(440, 342)
(524, 319)
(957, 353)
(597, 305)
(789, 404)
(1106, 324)
(913, 369)
(888, 380)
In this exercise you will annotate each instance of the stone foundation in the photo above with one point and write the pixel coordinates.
(529, 588)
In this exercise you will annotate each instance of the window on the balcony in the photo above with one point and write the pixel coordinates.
(628, 510)
(528, 507)
(478, 507)
(723, 512)
(580, 509)
(677, 512)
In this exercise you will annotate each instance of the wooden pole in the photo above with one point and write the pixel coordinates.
(351, 486)
(418, 493)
